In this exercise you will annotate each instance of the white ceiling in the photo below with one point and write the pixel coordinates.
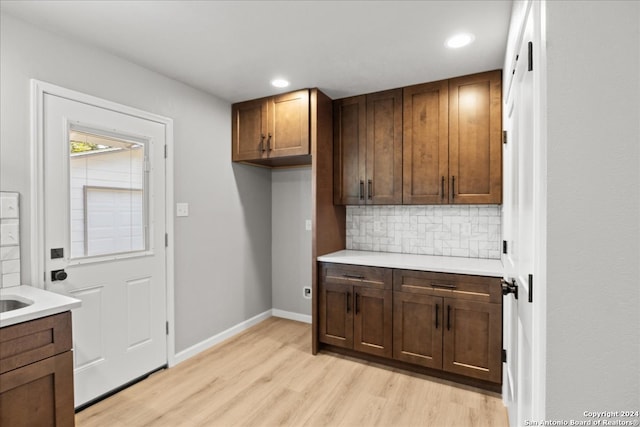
(233, 49)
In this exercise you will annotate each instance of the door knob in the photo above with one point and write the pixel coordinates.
(58, 275)
(510, 288)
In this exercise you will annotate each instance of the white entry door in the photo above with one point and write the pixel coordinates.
(104, 229)
(519, 229)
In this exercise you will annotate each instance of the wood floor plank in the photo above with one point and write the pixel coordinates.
(267, 376)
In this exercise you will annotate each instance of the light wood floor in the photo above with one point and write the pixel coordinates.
(267, 376)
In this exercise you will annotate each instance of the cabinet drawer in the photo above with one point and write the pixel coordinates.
(29, 342)
(476, 288)
(373, 277)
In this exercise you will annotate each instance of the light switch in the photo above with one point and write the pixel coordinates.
(307, 224)
(182, 209)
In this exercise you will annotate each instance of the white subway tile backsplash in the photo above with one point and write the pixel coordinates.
(9, 253)
(9, 206)
(9, 239)
(12, 266)
(463, 230)
(9, 280)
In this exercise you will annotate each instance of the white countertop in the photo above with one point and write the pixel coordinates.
(440, 264)
(45, 303)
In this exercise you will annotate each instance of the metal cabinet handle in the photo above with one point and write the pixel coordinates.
(262, 142)
(453, 187)
(361, 191)
(353, 276)
(269, 142)
(437, 315)
(370, 190)
(357, 303)
(444, 285)
(448, 317)
(442, 189)
(348, 302)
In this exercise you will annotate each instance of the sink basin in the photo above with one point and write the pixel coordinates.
(8, 304)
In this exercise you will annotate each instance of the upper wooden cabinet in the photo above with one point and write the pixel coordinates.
(449, 149)
(368, 149)
(475, 130)
(272, 131)
(425, 147)
(349, 150)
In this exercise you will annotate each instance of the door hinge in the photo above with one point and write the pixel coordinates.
(167, 327)
(504, 246)
(531, 288)
(530, 57)
(166, 152)
(504, 356)
(166, 240)
(504, 136)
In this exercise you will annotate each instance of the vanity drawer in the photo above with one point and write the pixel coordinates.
(28, 342)
(347, 274)
(461, 286)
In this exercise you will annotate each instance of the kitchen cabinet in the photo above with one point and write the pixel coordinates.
(368, 149)
(431, 143)
(449, 321)
(356, 308)
(36, 373)
(272, 131)
(475, 138)
(425, 146)
(417, 334)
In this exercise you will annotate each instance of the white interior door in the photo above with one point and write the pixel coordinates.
(519, 229)
(104, 225)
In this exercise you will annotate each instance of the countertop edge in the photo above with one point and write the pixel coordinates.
(439, 264)
(45, 303)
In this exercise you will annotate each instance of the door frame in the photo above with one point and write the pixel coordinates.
(537, 9)
(38, 91)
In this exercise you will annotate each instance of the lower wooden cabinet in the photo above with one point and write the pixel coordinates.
(356, 308)
(445, 322)
(417, 329)
(472, 341)
(36, 373)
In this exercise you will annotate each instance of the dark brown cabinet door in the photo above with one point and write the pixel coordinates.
(288, 124)
(372, 327)
(336, 314)
(473, 339)
(249, 130)
(384, 148)
(417, 329)
(475, 148)
(349, 150)
(425, 171)
(39, 394)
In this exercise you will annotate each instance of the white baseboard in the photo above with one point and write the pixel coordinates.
(218, 338)
(291, 315)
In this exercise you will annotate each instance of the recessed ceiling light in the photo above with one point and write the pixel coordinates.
(279, 83)
(459, 40)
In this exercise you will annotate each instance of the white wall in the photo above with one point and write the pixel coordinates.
(593, 197)
(223, 249)
(291, 243)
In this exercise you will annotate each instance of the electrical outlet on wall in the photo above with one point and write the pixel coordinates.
(306, 292)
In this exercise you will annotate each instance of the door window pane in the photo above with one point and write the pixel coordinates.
(108, 197)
